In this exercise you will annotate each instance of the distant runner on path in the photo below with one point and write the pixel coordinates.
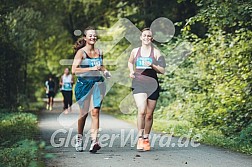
(50, 92)
(66, 83)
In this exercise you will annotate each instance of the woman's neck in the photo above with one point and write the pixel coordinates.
(89, 47)
(146, 47)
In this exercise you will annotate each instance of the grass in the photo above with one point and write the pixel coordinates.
(179, 128)
(232, 143)
(19, 131)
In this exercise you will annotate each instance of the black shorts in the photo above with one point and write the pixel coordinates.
(50, 94)
(144, 87)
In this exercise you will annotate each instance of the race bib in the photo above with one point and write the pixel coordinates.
(67, 86)
(95, 62)
(140, 63)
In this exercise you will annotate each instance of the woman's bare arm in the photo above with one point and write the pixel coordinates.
(130, 64)
(156, 67)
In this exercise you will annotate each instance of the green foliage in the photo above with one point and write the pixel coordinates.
(18, 134)
(246, 135)
(36, 35)
(19, 35)
(211, 89)
(208, 91)
(23, 153)
(17, 126)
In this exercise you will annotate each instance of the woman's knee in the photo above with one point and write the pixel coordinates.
(95, 113)
(141, 113)
(149, 117)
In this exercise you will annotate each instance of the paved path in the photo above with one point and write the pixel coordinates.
(58, 129)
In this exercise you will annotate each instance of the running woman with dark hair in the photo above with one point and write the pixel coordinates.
(90, 87)
(50, 92)
(66, 83)
(144, 64)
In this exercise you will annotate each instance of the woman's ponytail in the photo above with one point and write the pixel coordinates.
(79, 44)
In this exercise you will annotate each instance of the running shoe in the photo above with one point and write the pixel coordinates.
(140, 144)
(50, 108)
(146, 144)
(94, 147)
(79, 143)
(66, 111)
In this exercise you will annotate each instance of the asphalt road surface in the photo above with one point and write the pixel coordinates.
(118, 140)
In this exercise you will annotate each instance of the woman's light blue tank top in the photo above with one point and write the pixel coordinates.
(90, 62)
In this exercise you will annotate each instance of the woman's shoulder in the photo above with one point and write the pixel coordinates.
(99, 51)
(80, 51)
(135, 50)
(80, 54)
(156, 53)
(156, 50)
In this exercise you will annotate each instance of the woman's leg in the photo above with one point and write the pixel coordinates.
(141, 103)
(81, 123)
(48, 101)
(68, 99)
(151, 104)
(95, 112)
(98, 92)
(94, 130)
(51, 102)
(64, 93)
(82, 116)
(148, 123)
(95, 123)
(70, 102)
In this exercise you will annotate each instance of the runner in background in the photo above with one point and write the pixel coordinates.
(66, 84)
(50, 92)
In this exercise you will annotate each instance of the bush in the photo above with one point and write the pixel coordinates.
(17, 138)
(22, 153)
(17, 126)
(246, 135)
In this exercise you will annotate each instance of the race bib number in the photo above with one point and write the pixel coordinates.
(67, 86)
(95, 62)
(140, 63)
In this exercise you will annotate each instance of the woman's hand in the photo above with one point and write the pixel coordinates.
(148, 64)
(107, 74)
(96, 68)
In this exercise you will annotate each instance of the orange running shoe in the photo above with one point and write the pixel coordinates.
(140, 144)
(146, 144)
